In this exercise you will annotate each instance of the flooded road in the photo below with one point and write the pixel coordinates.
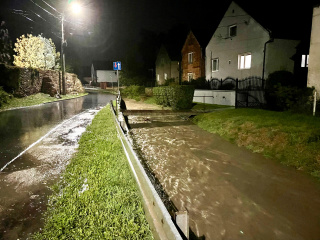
(25, 183)
(229, 192)
(21, 127)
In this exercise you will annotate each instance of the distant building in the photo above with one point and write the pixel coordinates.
(103, 73)
(241, 47)
(167, 66)
(107, 78)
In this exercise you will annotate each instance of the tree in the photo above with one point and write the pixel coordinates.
(36, 52)
(5, 45)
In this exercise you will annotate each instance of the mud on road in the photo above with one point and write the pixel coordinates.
(24, 184)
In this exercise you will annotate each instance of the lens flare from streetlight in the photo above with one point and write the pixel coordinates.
(76, 8)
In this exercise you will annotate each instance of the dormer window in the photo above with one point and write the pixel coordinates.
(232, 30)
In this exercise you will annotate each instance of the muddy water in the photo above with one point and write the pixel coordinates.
(229, 192)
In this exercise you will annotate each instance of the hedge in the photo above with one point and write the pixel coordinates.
(177, 97)
(9, 77)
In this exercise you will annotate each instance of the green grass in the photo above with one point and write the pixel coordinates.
(292, 139)
(97, 197)
(205, 106)
(150, 100)
(36, 99)
(109, 90)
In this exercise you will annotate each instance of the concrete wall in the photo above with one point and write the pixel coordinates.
(220, 97)
(314, 55)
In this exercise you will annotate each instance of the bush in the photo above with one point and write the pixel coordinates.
(9, 77)
(133, 92)
(177, 97)
(129, 81)
(4, 97)
(199, 83)
(283, 94)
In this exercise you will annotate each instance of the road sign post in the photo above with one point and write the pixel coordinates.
(117, 67)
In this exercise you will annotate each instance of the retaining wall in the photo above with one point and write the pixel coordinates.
(23, 82)
(220, 97)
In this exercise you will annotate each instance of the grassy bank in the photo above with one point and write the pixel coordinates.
(35, 99)
(98, 197)
(292, 139)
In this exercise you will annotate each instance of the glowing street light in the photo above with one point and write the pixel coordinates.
(76, 7)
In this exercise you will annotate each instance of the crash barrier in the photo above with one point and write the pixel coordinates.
(161, 223)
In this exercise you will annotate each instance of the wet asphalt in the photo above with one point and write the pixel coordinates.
(52, 130)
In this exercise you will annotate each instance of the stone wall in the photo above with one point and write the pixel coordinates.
(32, 81)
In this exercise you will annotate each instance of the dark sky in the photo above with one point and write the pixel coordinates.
(107, 29)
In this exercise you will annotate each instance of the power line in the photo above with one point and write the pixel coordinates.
(44, 9)
(51, 6)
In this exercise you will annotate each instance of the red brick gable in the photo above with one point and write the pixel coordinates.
(197, 67)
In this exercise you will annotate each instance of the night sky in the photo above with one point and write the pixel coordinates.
(107, 30)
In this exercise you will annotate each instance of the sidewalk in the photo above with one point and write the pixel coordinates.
(229, 192)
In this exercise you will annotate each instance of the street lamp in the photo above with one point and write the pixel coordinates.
(76, 8)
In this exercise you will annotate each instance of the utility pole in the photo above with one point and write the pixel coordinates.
(62, 58)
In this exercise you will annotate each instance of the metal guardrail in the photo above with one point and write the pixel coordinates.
(157, 215)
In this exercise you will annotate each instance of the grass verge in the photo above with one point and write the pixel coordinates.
(97, 197)
(36, 99)
(291, 139)
(207, 107)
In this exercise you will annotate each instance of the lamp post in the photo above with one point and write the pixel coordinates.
(62, 58)
(76, 8)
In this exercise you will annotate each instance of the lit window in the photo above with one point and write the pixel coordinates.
(304, 60)
(215, 65)
(244, 61)
(165, 76)
(233, 31)
(158, 77)
(190, 76)
(190, 57)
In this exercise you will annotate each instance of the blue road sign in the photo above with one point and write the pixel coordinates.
(117, 65)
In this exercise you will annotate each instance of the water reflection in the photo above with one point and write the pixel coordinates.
(21, 127)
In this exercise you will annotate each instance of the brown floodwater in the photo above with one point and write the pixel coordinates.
(229, 192)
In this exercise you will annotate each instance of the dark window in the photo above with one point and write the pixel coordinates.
(233, 31)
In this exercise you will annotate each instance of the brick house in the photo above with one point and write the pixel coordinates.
(192, 58)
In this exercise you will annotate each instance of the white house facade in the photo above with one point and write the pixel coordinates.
(241, 47)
